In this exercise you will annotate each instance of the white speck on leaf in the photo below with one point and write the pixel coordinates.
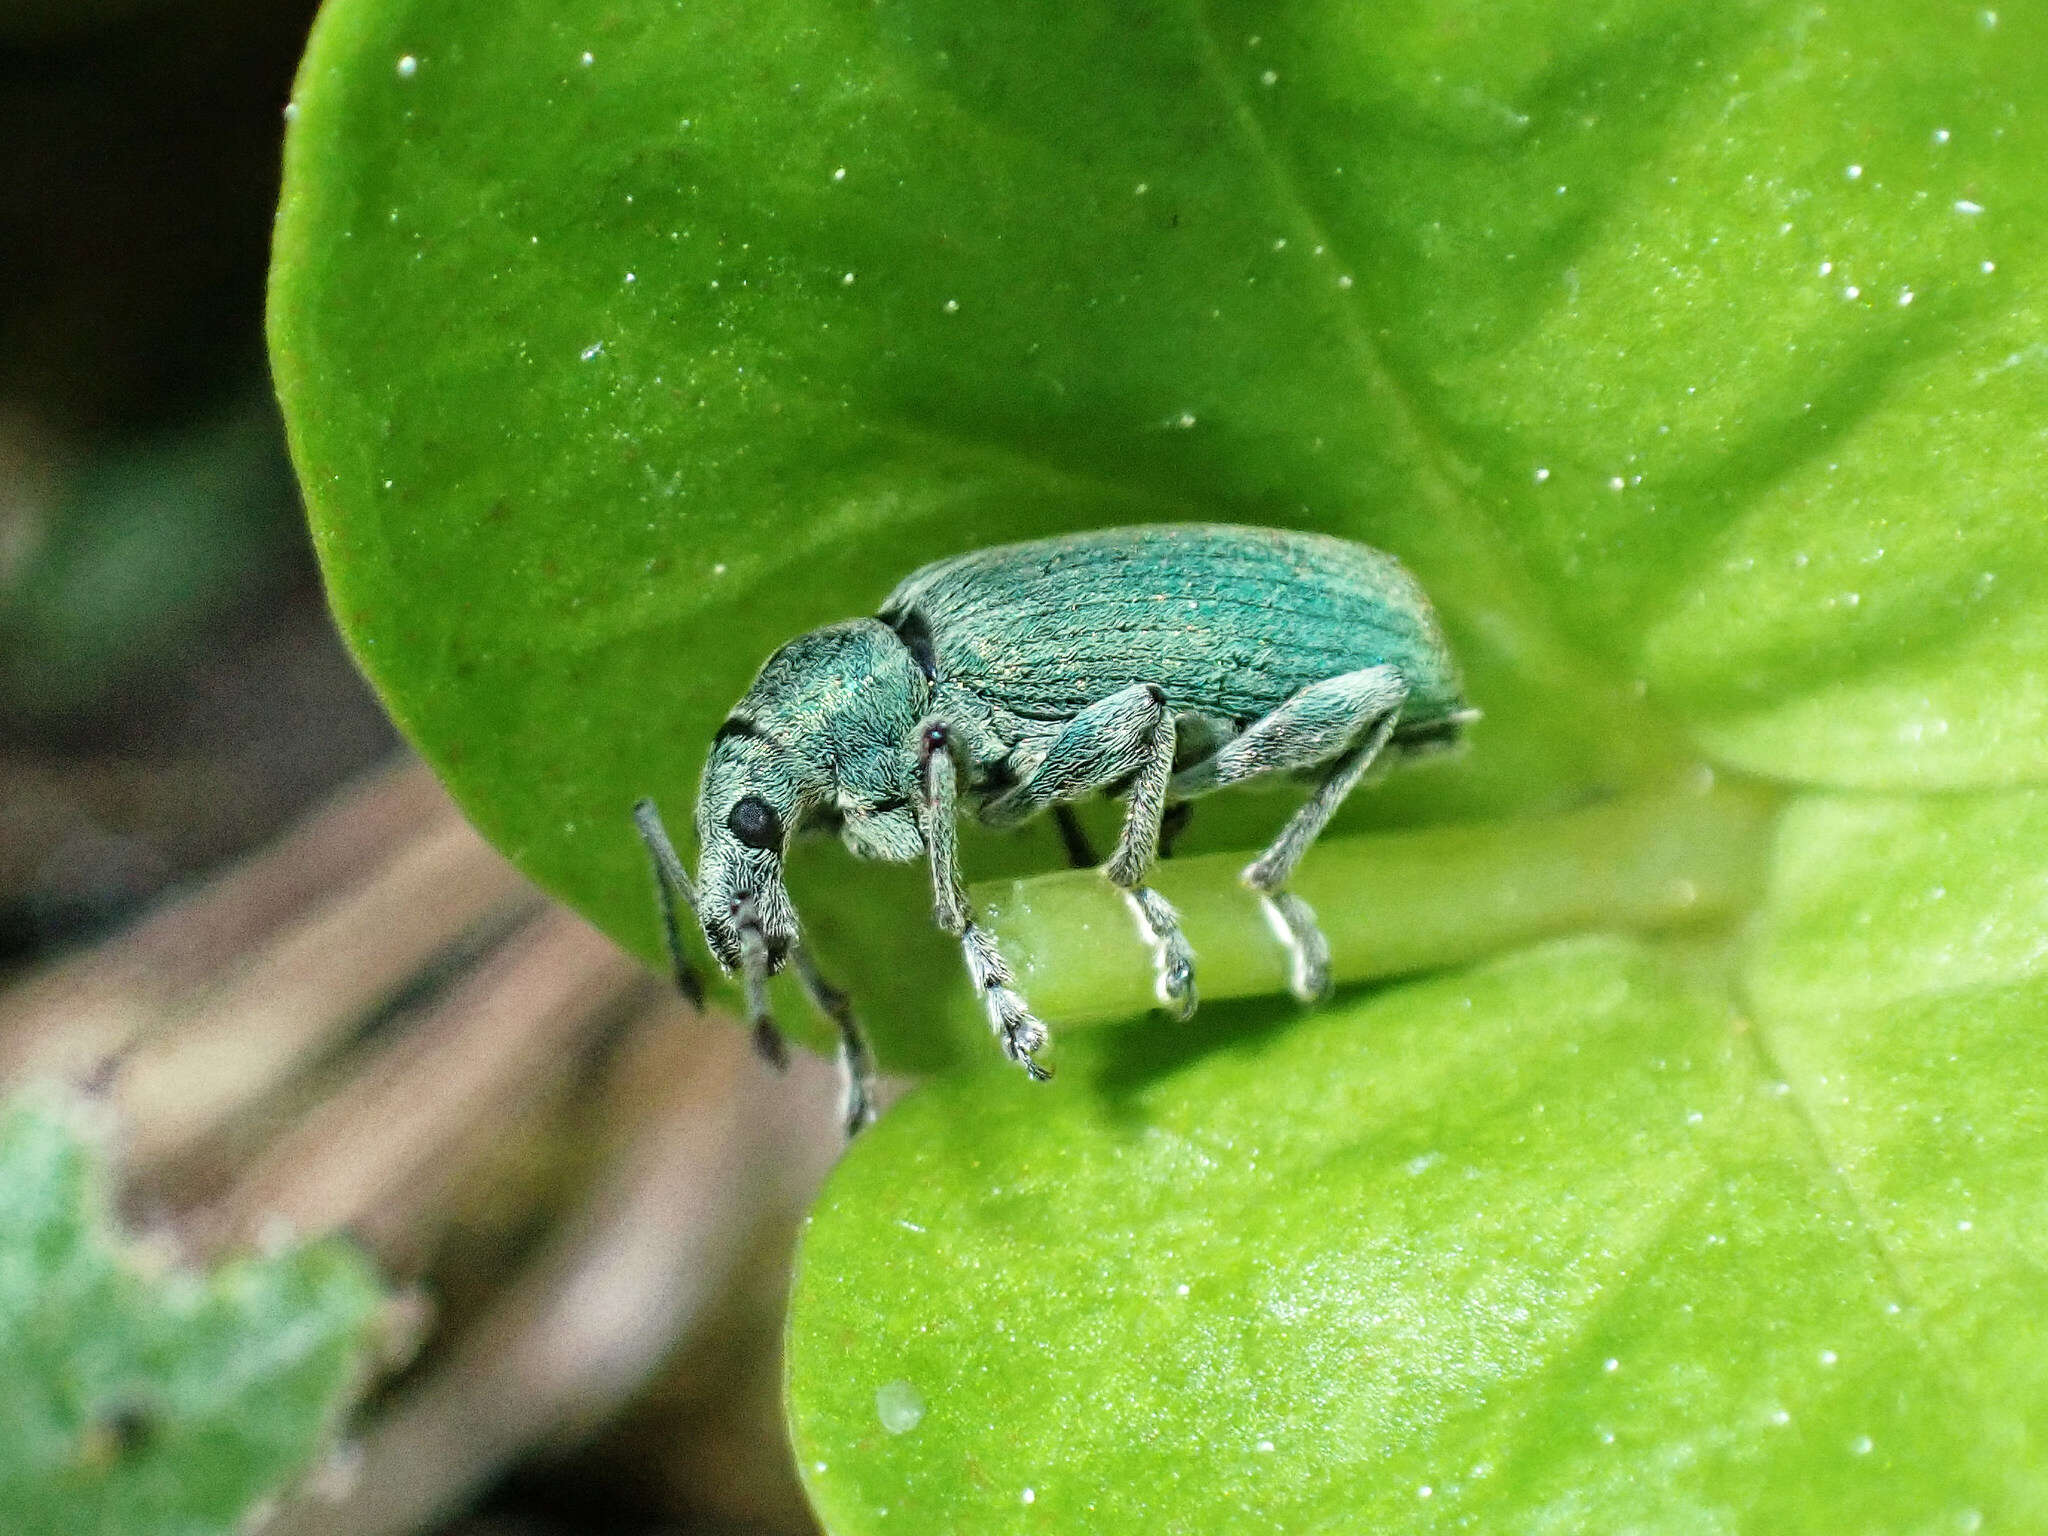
(899, 1406)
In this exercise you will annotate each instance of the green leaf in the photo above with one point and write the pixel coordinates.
(137, 1397)
(1690, 355)
(590, 416)
(1568, 1241)
(1898, 983)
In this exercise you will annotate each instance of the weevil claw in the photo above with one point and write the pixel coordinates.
(1294, 922)
(1021, 1033)
(1173, 959)
(857, 1109)
(1016, 1028)
(1022, 1037)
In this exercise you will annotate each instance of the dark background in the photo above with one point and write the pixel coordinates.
(205, 819)
(170, 690)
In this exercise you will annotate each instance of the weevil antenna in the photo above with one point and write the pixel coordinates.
(754, 979)
(670, 882)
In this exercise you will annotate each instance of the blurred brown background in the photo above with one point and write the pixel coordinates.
(229, 901)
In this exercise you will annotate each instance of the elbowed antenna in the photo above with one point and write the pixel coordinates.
(754, 979)
(670, 882)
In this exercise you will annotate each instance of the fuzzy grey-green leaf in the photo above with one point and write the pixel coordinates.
(139, 1398)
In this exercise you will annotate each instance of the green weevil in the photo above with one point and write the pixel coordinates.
(1152, 664)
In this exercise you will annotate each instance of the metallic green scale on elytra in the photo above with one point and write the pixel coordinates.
(1230, 621)
(1155, 664)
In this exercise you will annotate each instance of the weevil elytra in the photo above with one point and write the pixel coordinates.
(1152, 664)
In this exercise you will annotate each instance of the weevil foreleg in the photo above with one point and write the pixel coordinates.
(1021, 1034)
(1128, 736)
(1081, 852)
(856, 1061)
(670, 883)
(1343, 721)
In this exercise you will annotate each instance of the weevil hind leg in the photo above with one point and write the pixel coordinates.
(856, 1061)
(1137, 848)
(1172, 823)
(1125, 738)
(1343, 722)
(1074, 838)
(1019, 1032)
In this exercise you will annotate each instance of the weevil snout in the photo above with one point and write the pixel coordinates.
(732, 943)
(746, 914)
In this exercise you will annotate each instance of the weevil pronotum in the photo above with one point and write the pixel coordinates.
(1152, 664)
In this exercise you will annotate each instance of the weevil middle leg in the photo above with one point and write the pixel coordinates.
(1344, 722)
(1128, 736)
(1080, 850)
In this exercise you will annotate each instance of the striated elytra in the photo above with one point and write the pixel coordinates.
(1153, 664)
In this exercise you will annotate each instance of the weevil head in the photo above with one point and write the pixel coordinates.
(818, 736)
(744, 814)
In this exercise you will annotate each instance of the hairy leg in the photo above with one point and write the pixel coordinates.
(1127, 737)
(856, 1061)
(1343, 722)
(1020, 1034)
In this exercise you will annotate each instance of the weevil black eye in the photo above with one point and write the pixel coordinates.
(753, 821)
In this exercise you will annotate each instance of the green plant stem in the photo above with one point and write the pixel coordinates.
(1394, 903)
